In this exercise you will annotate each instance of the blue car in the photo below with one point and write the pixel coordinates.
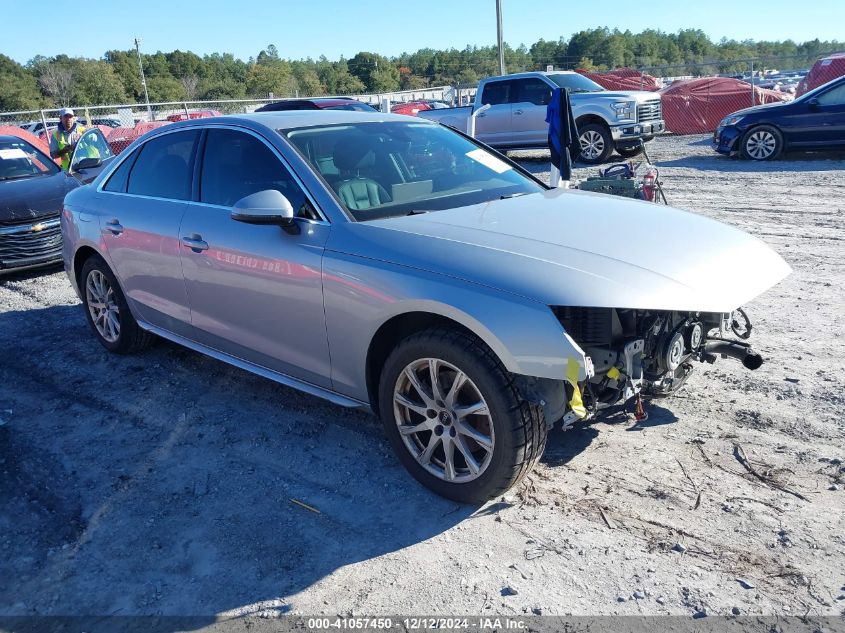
(815, 120)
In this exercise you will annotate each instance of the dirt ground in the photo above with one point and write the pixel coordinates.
(164, 483)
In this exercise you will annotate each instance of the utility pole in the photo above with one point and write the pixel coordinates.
(143, 79)
(499, 37)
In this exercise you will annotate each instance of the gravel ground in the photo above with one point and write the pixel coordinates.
(163, 483)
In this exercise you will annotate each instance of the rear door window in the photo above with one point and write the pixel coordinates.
(531, 91)
(163, 168)
(496, 93)
(117, 181)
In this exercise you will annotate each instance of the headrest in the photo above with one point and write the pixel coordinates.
(349, 156)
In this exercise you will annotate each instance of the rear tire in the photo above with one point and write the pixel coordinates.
(107, 311)
(596, 143)
(763, 142)
(474, 436)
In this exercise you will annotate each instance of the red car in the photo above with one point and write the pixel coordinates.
(194, 114)
(412, 107)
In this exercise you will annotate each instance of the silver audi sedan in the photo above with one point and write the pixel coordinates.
(387, 262)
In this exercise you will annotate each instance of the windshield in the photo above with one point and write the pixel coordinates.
(383, 169)
(575, 82)
(19, 159)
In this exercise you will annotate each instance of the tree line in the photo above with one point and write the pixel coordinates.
(46, 82)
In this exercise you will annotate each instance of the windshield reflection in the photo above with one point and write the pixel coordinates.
(383, 169)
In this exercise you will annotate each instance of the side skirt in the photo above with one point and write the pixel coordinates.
(275, 376)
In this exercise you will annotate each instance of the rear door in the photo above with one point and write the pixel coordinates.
(529, 99)
(493, 126)
(255, 291)
(141, 207)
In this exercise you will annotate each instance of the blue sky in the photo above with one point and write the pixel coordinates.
(344, 27)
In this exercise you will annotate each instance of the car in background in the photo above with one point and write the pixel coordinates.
(813, 121)
(319, 103)
(471, 306)
(37, 127)
(32, 188)
(607, 120)
(192, 114)
(411, 108)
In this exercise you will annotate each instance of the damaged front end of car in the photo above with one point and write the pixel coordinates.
(631, 353)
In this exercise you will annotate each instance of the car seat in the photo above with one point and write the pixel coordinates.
(357, 192)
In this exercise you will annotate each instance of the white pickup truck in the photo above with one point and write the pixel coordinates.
(516, 119)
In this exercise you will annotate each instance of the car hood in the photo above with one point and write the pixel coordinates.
(33, 198)
(567, 247)
(763, 107)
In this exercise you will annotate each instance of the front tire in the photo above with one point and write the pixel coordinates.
(455, 417)
(596, 143)
(763, 142)
(107, 311)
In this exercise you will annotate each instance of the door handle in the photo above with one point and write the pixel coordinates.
(517, 111)
(195, 243)
(114, 227)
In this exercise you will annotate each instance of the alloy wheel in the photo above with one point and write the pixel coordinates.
(761, 145)
(443, 420)
(102, 306)
(592, 144)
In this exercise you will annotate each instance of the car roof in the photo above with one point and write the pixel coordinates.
(533, 73)
(292, 119)
(12, 137)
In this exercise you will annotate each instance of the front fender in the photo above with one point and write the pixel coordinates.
(362, 294)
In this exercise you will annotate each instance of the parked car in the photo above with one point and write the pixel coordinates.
(193, 114)
(606, 120)
(37, 127)
(471, 307)
(328, 103)
(815, 120)
(32, 188)
(412, 108)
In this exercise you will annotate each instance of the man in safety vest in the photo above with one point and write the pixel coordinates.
(64, 139)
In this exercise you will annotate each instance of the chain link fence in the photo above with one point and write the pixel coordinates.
(122, 124)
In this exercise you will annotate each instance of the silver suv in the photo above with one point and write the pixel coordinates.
(387, 262)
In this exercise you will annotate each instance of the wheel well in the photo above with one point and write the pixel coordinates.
(388, 337)
(79, 260)
(590, 118)
(754, 126)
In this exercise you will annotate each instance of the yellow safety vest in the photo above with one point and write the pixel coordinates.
(61, 137)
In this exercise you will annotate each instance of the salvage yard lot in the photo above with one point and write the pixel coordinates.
(163, 482)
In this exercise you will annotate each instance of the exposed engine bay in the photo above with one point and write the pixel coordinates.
(646, 352)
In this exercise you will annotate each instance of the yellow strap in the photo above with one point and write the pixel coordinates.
(576, 404)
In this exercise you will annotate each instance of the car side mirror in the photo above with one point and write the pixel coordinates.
(265, 207)
(814, 104)
(87, 163)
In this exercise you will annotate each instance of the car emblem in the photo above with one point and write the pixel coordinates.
(37, 227)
